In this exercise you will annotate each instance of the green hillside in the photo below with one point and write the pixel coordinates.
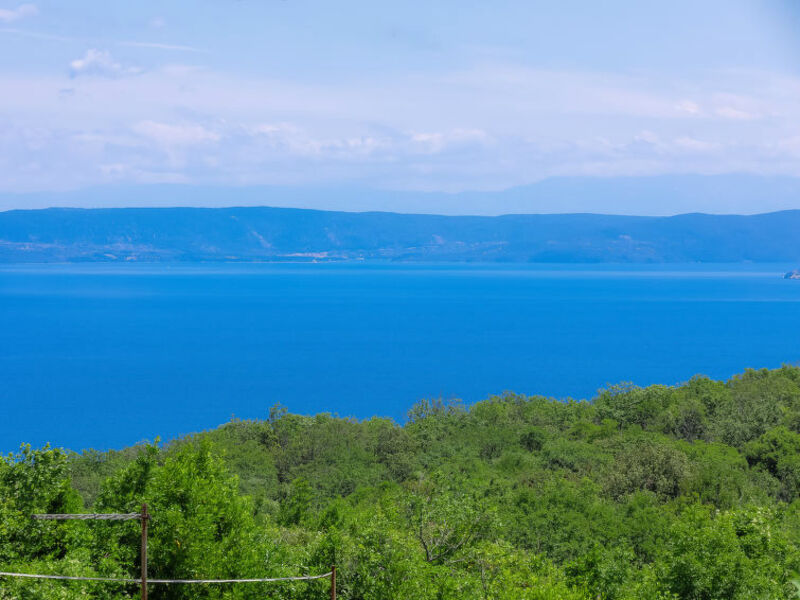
(688, 492)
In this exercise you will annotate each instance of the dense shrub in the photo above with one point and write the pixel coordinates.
(688, 492)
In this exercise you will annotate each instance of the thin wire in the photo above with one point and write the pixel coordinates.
(109, 579)
(266, 579)
(68, 577)
(130, 516)
(86, 517)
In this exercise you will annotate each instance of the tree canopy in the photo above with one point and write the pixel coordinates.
(688, 492)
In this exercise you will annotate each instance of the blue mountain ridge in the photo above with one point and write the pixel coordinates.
(288, 234)
(653, 195)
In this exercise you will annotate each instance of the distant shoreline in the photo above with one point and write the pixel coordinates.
(264, 234)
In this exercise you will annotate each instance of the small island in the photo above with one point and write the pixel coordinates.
(792, 274)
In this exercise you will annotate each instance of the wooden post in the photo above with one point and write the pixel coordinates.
(144, 519)
(333, 582)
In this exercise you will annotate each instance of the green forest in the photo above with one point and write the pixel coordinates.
(689, 492)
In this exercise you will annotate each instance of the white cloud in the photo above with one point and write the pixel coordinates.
(689, 107)
(422, 131)
(270, 129)
(694, 144)
(433, 142)
(438, 141)
(728, 112)
(15, 14)
(175, 135)
(648, 137)
(288, 139)
(100, 63)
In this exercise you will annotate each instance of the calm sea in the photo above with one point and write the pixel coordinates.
(104, 355)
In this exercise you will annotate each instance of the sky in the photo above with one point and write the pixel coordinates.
(445, 96)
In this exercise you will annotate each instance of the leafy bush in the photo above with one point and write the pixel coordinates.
(689, 492)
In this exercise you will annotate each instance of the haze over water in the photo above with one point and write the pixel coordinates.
(106, 355)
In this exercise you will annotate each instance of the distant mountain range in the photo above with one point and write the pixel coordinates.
(661, 195)
(285, 234)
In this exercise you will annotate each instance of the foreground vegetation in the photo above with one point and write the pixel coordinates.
(688, 492)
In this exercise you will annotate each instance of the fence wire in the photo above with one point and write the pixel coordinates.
(87, 517)
(205, 581)
(144, 516)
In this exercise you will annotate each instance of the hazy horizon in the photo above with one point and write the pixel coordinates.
(665, 195)
(424, 100)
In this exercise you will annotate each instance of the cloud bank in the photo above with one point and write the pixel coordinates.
(489, 127)
(233, 97)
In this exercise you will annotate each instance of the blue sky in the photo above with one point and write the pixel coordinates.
(433, 96)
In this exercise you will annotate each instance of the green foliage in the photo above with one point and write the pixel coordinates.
(201, 526)
(631, 405)
(758, 401)
(778, 452)
(689, 492)
(646, 464)
(730, 555)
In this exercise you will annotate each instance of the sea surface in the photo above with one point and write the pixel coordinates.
(105, 355)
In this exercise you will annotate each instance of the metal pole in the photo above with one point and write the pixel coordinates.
(333, 582)
(144, 518)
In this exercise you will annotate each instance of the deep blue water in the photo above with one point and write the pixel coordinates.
(104, 355)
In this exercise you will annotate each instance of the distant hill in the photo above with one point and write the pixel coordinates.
(281, 234)
(655, 195)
